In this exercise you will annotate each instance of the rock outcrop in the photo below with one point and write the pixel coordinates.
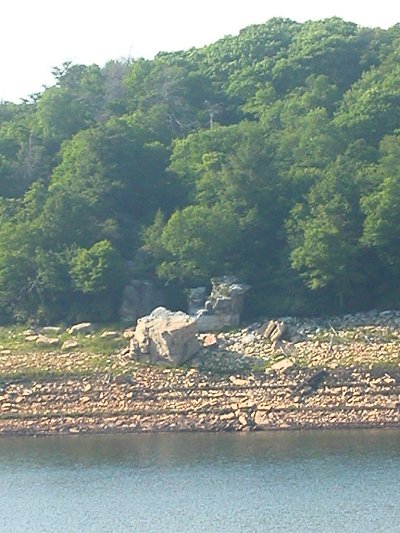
(139, 299)
(165, 337)
(222, 308)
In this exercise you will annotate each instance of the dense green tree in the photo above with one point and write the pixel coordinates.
(325, 231)
(199, 242)
(382, 204)
(272, 154)
(97, 269)
(371, 109)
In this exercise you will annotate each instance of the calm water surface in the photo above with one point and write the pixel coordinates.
(334, 481)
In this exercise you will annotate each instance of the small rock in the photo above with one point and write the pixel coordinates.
(48, 341)
(284, 364)
(28, 332)
(210, 340)
(110, 334)
(31, 338)
(128, 333)
(249, 338)
(238, 381)
(246, 404)
(69, 345)
(51, 329)
(83, 327)
(227, 416)
(261, 418)
(243, 420)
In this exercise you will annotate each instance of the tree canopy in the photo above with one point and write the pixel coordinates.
(273, 155)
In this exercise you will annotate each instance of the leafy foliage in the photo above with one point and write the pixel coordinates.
(273, 155)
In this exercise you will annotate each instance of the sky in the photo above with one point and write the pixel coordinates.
(37, 35)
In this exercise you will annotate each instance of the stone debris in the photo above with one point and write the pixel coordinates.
(31, 338)
(29, 332)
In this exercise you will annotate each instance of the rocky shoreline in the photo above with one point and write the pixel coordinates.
(173, 400)
(336, 375)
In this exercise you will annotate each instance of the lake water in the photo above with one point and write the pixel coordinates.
(334, 481)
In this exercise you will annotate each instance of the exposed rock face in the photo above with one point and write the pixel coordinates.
(223, 307)
(196, 300)
(139, 299)
(165, 337)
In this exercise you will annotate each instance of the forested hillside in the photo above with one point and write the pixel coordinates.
(273, 155)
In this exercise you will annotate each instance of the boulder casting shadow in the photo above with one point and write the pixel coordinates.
(165, 337)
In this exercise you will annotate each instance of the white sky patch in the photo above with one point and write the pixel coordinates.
(38, 35)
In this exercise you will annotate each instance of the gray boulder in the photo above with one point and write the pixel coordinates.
(165, 337)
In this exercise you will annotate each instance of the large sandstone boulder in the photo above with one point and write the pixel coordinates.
(165, 337)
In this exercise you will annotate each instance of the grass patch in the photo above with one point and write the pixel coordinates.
(21, 356)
